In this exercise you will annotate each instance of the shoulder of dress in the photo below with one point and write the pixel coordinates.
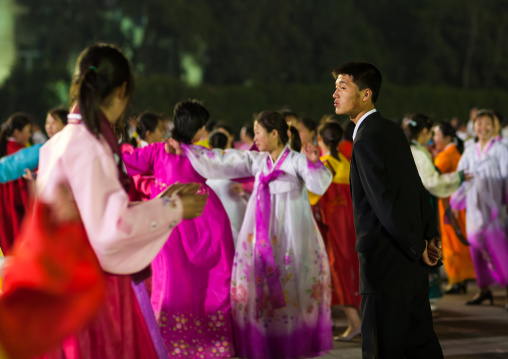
(76, 140)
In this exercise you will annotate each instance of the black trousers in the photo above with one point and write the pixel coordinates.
(397, 323)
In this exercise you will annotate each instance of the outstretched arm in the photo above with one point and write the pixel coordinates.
(439, 185)
(13, 167)
(219, 164)
(138, 160)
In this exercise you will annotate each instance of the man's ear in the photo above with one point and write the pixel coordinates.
(367, 95)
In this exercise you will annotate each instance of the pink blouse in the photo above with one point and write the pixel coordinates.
(125, 236)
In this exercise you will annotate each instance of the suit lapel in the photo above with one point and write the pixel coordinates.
(364, 124)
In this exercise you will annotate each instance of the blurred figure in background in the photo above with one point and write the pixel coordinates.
(346, 145)
(456, 257)
(246, 137)
(485, 202)
(149, 128)
(14, 135)
(290, 117)
(221, 126)
(56, 119)
(38, 136)
(307, 128)
(334, 214)
(419, 129)
(230, 193)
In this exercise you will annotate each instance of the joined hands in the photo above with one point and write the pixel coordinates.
(193, 202)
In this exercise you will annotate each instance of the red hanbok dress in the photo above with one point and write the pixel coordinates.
(13, 204)
(334, 214)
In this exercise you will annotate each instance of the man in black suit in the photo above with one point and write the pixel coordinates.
(396, 229)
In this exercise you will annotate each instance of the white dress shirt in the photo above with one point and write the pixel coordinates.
(360, 122)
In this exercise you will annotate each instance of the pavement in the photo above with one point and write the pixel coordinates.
(465, 332)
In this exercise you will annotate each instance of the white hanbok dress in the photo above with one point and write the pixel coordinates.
(485, 199)
(299, 324)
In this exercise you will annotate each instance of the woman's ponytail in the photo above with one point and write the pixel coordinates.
(295, 142)
(99, 70)
(331, 134)
(89, 100)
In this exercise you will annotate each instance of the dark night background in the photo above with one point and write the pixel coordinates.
(439, 57)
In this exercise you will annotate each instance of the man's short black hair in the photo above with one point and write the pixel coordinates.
(188, 117)
(364, 75)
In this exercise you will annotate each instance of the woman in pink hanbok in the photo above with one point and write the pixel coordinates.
(124, 237)
(192, 272)
(485, 199)
(280, 288)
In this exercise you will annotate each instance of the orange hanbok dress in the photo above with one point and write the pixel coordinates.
(456, 257)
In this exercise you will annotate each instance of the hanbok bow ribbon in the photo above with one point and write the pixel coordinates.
(264, 262)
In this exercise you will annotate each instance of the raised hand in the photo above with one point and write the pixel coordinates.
(173, 147)
(237, 189)
(311, 152)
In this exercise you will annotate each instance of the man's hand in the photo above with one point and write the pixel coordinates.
(431, 254)
(434, 249)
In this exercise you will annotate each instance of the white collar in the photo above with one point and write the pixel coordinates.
(361, 120)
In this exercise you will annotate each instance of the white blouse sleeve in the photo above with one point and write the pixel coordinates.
(219, 164)
(439, 185)
(316, 176)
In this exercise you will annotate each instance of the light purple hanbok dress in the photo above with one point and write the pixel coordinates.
(192, 272)
(485, 198)
(280, 288)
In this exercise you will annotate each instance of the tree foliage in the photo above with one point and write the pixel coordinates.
(261, 44)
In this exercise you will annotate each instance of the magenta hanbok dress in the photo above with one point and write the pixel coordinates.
(192, 272)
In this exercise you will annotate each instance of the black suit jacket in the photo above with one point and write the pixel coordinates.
(392, 211)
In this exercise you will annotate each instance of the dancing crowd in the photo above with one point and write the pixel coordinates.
(163, 237)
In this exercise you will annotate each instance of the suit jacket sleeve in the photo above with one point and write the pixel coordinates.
(391, 208)
(429, 216)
